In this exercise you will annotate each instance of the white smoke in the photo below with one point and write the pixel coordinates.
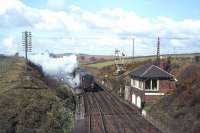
(60, 68)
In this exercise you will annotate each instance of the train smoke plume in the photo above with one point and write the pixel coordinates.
(60, 68)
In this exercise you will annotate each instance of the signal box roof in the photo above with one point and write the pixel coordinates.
(150, 72)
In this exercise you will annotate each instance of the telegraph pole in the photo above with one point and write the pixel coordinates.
(133, 47)
(175, 56)
(158, 52)
(27, 44)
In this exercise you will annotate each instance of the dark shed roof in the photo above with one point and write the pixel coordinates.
(151, 72)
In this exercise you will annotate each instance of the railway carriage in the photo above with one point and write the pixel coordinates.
(86, 80)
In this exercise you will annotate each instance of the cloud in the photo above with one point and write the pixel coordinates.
(97, 32)
(8, 42)
(56, 4)
(177, 43)
(10, 4)
(9, 45)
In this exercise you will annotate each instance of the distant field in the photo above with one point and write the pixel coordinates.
(111, 62)
(101, 64)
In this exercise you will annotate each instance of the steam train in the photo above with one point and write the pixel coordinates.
(86, 81)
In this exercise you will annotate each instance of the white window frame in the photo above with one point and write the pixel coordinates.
(132, 83)
(157, 89)
(140, 84)
(136, 84)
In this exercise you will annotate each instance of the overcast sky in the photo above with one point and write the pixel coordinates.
(98, 27)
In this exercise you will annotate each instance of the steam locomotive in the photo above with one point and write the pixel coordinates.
(86, 81)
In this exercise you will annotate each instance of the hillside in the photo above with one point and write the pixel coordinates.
(180, 110)
(27, 104)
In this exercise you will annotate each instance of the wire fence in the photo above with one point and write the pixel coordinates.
(3, 68)
(5, 65)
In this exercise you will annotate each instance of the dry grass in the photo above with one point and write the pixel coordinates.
(28, 105)
(180, 109)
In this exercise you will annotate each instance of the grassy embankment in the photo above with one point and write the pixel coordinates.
(180, 110)
(27, 104)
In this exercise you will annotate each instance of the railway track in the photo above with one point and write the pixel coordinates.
(96, 120)
(113, 113)
(105, 113)
(125, 115)
(127, 123)
(132, 115)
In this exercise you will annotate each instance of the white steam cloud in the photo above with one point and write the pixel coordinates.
(60, 68)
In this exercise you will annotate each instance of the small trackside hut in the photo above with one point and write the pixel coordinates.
(148, 83)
